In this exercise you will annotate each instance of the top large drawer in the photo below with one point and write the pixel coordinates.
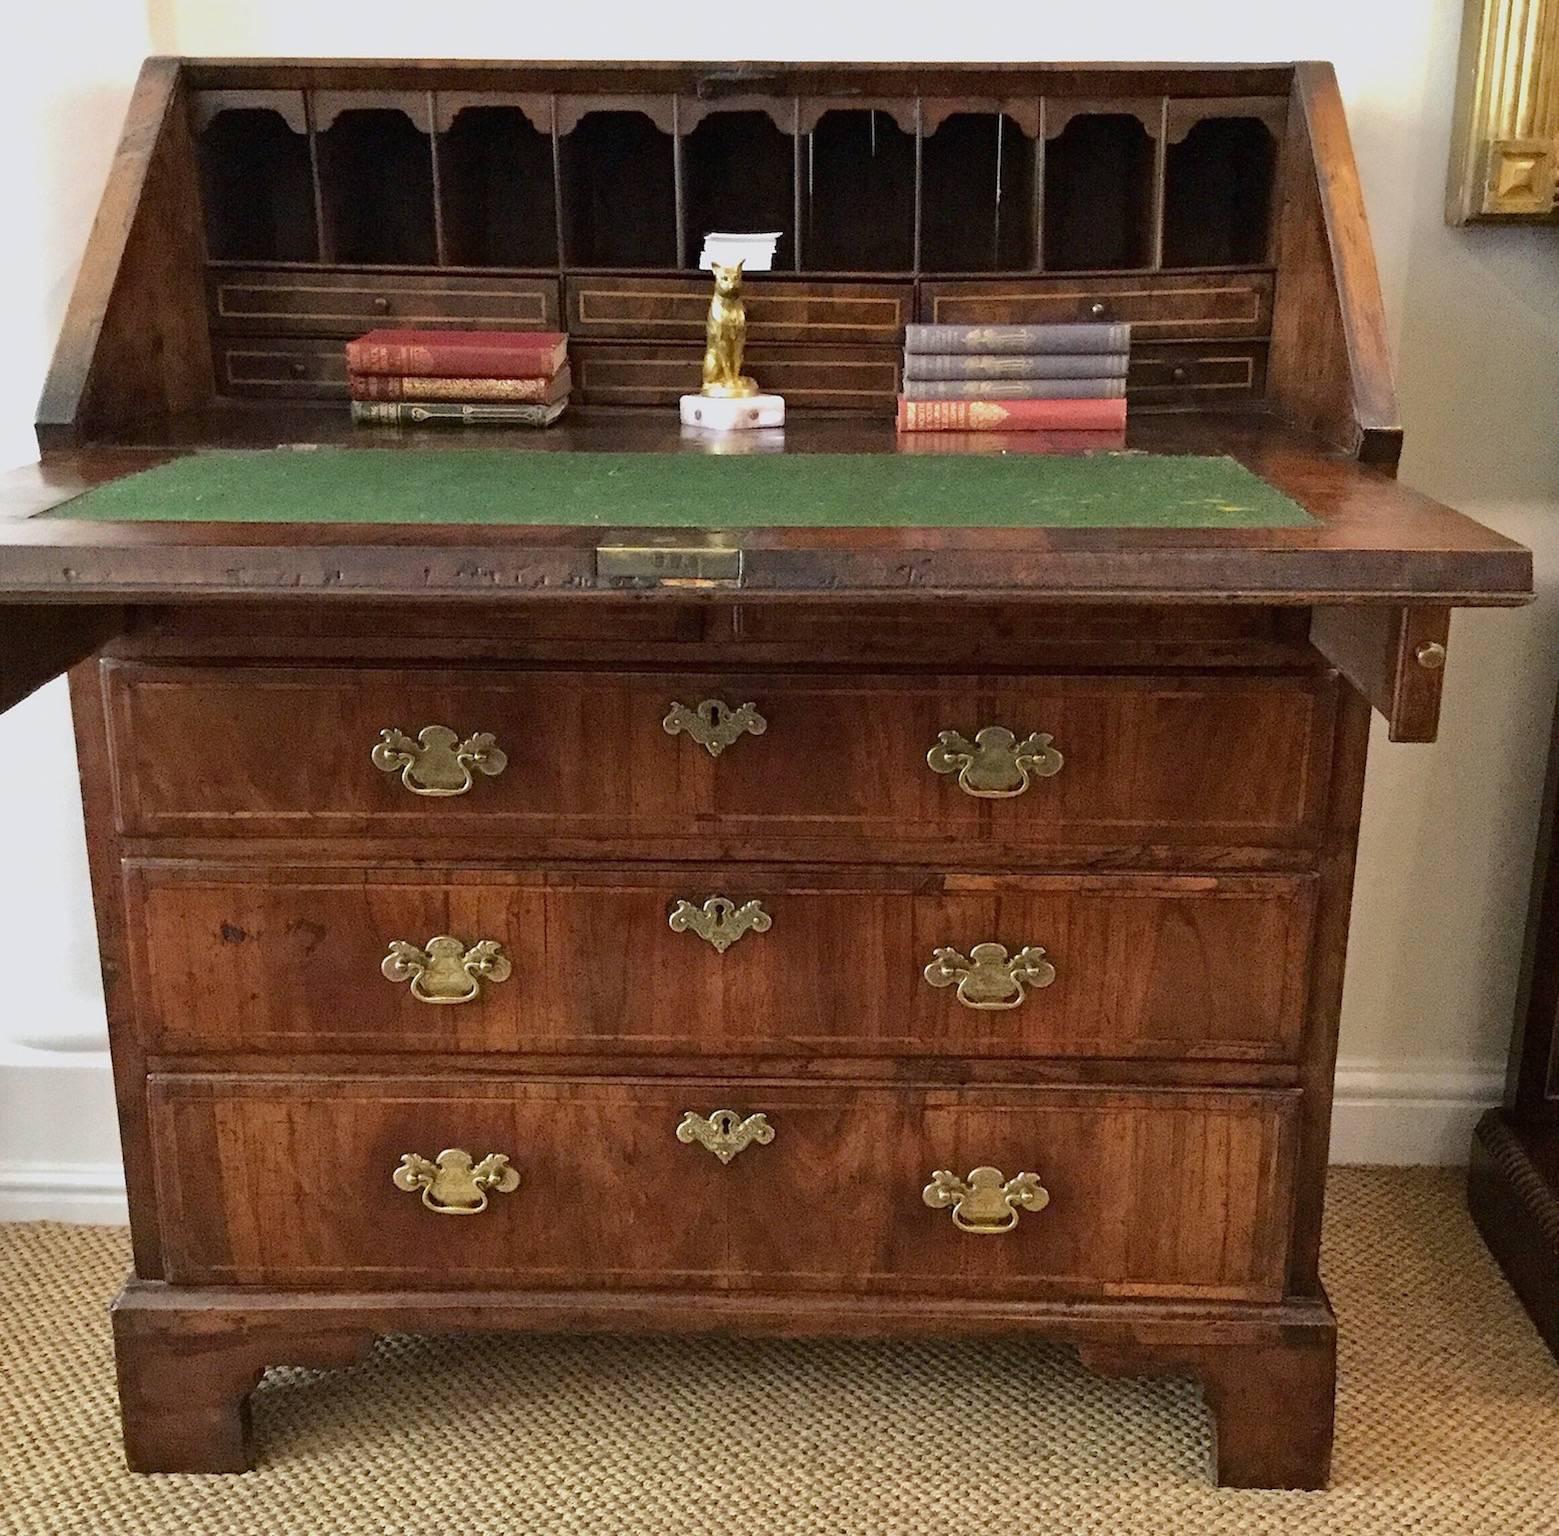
(726, 764)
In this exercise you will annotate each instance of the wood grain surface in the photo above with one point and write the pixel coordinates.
(1168, 967)
(287, 1182)
(842, 761)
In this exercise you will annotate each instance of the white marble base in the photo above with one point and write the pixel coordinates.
(733, 415)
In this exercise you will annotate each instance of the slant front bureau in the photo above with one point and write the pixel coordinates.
(858, 885)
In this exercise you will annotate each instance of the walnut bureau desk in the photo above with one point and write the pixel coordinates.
(579, 881)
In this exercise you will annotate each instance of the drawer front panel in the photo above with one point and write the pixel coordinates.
(812, 378)
(284, 367)
(676, 308)
(289, 1182)
(1158, 307)
(1196, 373)
(347, 304)
(282, 751)
(831, 963)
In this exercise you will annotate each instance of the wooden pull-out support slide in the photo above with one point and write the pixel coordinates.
(1395, 657)
(38, 643)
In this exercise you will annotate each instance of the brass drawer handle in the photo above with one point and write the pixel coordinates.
(995, 765)
(986, 1203)
(714, 725)
(720, 921)
(988, 977)
(725, 1133)
(453, 1184)
(438, 762)
(446, 971)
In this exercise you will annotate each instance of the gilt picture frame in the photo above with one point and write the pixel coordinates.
(1505, 136)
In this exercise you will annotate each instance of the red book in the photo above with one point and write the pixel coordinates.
(1011, 442)
(1011, 415)
(459, 354)
(400, 386)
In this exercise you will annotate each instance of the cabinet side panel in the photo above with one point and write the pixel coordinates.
(1329, 953)
(87, 705)
(134, 341)
(1330, 368)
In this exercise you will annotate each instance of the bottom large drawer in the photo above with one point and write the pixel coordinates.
(307, 1182)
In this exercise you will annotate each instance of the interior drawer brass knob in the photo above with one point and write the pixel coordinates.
(725, 1133)
(438, 762)
(720, 921)
(446, 971)
(995, 765)
(714, 725)
(988, 977)
(453, 1183)
(987, 1203)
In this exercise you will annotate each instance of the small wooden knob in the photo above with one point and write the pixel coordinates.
(1098, 310)
(1431, 655)
(298, 368)
(382, 305)
(1178, 375)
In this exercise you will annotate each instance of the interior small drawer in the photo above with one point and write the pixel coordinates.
(720, 959)
(611, 1184)
(349, 303)
(854, 378)
(1158, 306)
(280, 367)
(856, 765)
(675, 309)
(1196, 373)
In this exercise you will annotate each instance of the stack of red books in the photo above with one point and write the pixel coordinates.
(412, 378)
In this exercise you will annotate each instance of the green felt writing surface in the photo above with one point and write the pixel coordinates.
(687, 490)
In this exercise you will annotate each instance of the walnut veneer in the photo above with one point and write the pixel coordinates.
(1168, 895)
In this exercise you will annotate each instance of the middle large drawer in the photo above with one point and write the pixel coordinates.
(719, 961)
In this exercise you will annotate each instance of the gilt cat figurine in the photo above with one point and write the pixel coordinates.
(725, 338)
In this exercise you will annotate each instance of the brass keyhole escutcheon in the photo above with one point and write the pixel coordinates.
(987, 1203)
(438, 763)
(724, 1132)
(446, 971)
(453, 1183)
(720, 921)
(995, 765)
(713, 724)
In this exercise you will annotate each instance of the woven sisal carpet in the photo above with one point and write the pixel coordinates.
(1448, 1421)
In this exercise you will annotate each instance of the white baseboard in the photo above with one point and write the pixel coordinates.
(1387, 1113)
(92, 1193)
(59, 1138)
(52, 1106)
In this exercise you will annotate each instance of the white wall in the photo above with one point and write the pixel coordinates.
(1475, 318)
(65, 77)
